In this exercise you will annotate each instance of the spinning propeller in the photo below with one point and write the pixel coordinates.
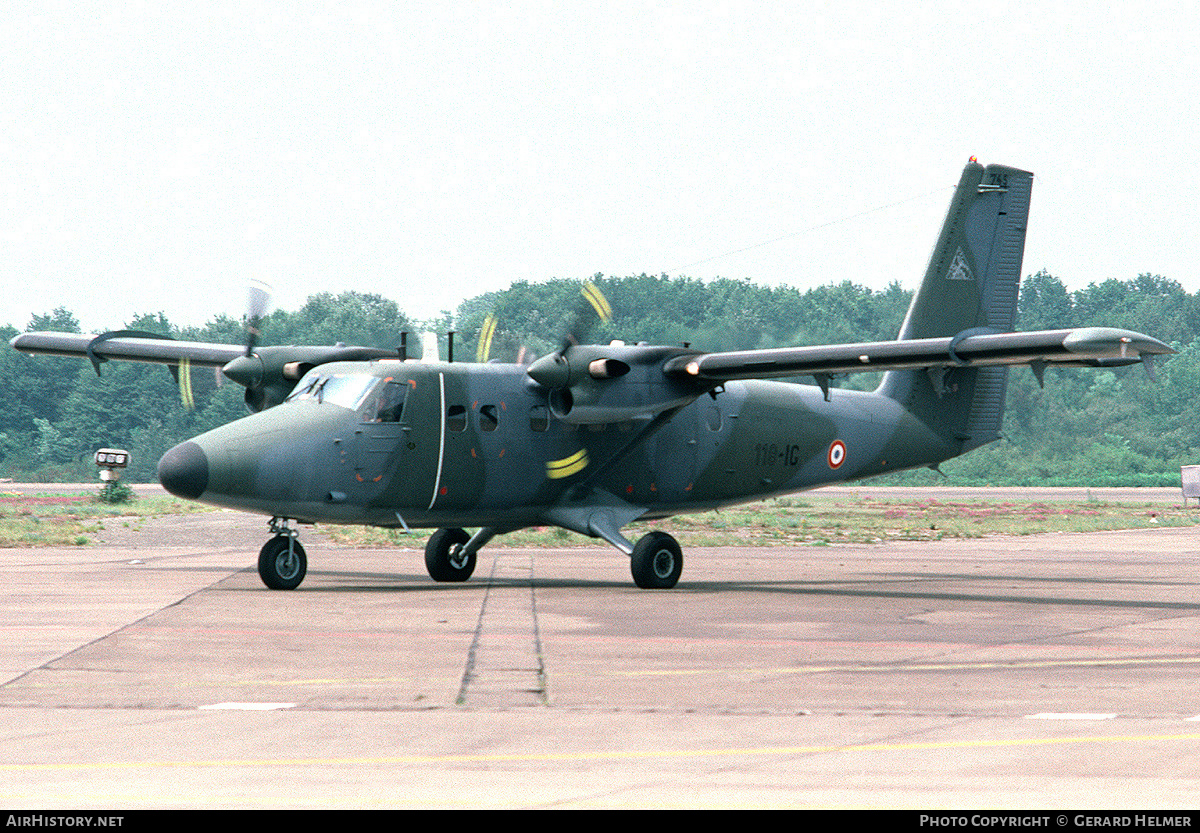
(581, 377)
(256, 309)
(591, 309)
(269, 373)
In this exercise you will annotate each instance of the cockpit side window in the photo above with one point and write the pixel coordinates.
(387, 403)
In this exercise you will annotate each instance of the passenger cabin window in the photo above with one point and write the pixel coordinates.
(539, 418)
(488, 418)
(456, 418)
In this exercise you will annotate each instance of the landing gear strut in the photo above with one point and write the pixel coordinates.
(656, 560)
(282, 562)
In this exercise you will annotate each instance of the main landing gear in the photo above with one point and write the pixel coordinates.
(446, 557)
(656, 561)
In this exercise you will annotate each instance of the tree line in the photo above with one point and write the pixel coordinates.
(1085, 427)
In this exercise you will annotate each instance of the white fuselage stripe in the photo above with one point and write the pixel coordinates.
(437, 480)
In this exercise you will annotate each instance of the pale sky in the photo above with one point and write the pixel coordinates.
(157, 156)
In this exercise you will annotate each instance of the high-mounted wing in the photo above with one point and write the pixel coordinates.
(267, 373)
(125, 345)
(1084, 347)
(610, 383)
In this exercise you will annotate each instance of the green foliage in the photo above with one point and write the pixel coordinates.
(51, 446)
(352, 317)
(114, 491)
(1044, 303)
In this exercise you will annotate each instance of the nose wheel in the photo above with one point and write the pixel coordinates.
(282, 562)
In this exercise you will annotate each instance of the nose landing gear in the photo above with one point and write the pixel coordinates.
(282, 562)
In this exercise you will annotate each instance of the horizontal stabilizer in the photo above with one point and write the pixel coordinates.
(1085, 347)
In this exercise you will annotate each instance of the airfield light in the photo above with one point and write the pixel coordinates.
(110, 460)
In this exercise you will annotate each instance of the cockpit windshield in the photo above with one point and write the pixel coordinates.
(347, 390)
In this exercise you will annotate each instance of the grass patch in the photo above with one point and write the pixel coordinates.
(819, 521)
(75, 519)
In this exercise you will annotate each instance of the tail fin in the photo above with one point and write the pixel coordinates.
(971, 284)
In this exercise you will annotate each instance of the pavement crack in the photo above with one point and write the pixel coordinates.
(505, 665)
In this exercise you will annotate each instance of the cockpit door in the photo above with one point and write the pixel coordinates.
(393, 437)
(380, 432)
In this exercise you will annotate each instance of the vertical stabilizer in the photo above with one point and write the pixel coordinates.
(971, 284)
(975, 268)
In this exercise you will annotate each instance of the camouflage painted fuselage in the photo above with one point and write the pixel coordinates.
(477, 445)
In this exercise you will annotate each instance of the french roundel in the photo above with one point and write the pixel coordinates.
(836, 455)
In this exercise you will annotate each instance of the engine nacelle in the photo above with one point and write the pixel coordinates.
(591, 384)
(269, 373)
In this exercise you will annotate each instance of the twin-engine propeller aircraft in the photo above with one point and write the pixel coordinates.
(593, 437)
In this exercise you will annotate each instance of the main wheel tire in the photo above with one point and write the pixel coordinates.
(443, 556)
(657, 561)
(279, 569)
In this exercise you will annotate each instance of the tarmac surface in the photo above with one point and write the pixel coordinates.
(1043, 672)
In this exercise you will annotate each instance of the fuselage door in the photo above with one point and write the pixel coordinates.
(398, 443)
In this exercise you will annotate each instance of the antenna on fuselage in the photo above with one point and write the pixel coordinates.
(429, 347)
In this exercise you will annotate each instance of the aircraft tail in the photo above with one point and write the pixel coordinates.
(970, 286)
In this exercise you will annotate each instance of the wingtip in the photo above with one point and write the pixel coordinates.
(1100, 339)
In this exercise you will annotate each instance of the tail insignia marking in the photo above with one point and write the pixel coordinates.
(959, 270)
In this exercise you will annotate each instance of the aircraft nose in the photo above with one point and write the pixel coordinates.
(183, 471)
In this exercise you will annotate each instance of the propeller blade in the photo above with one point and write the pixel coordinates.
(185, 385)
(483, 350)
(256, 309)
(597, 300)
(593, 310)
